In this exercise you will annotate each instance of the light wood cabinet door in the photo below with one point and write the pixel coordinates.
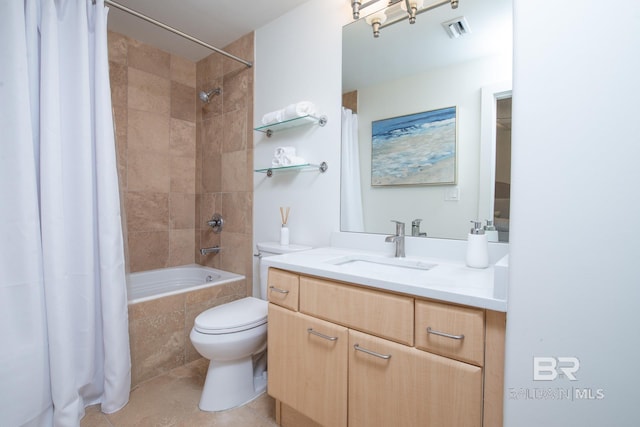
(308, 365)
(409, 388)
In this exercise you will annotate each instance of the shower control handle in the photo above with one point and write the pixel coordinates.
(216, 222)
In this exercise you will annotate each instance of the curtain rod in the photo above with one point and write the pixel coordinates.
(173, 30)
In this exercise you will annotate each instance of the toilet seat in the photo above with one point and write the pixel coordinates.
(236, 316)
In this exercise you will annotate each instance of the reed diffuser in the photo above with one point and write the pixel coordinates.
(284, 230)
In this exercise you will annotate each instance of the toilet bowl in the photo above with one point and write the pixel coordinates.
(233, 336)
(230, 336)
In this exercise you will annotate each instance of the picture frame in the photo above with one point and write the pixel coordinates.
(415, 149)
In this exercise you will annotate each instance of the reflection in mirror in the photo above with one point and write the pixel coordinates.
(502, 188)
(416, 68)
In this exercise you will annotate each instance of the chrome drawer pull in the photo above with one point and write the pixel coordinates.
(444, 334)
(326, 337)
(280, 291)
(373, 353)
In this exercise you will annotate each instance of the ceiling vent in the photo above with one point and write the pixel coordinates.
(457, 27)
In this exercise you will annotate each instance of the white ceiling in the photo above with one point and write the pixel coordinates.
(403, 49)
(216, 22)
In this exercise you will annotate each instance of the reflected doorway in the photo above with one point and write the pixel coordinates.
(502, 183)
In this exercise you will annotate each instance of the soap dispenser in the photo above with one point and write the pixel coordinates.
(490, 231)
(477, 247)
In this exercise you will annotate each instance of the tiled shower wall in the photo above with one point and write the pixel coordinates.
(224, 174)
(181, 160)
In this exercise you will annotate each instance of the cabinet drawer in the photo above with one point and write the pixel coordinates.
(282, 288)
(378, 313)
(452, 331)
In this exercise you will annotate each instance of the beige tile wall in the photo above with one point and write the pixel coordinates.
(153, 94)
(181, 160)
(224, 175)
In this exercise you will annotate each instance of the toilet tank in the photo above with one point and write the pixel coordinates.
(268, 249)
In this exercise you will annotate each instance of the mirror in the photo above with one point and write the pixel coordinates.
(415, 68)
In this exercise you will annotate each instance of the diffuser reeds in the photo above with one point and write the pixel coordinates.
(284, 214)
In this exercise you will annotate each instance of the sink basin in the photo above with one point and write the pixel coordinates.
(374, 264)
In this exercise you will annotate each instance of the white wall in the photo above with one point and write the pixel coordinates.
(574, 279)
(459, 86)
(298, 57)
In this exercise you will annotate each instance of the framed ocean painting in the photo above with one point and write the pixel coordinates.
(416, 149)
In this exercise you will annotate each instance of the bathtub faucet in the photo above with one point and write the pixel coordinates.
(211, 250)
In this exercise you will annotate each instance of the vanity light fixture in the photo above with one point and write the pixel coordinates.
(376, 20)
(357, 5)
(411, 8)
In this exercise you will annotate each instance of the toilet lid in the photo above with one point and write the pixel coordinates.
(235, 316)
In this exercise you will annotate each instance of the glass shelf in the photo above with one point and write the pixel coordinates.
(322, 167)
(295, 122)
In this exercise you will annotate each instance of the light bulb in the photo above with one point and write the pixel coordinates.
(375, 20)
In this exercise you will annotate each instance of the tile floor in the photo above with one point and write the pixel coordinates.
(172, 400)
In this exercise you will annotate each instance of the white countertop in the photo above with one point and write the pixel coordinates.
(449, 281)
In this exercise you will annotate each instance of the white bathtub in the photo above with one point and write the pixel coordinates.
(153, 284)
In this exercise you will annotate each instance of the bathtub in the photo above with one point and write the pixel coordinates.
(163, 305)
(152, 284)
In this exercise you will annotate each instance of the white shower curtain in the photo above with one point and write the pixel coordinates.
(351, 217)
(63, 311)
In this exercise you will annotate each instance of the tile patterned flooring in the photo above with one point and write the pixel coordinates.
(172, 400)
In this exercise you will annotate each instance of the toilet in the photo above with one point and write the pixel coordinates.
(233, 336)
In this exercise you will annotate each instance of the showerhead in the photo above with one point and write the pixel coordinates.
(206, 96)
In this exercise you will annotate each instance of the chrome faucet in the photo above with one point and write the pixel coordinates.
(398, 239)
(211, 250)
(415, 228)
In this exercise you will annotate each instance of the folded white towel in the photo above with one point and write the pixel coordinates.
(287, 161)
(286, 156)
(291, 111)
(272, 117)
(299, 109)
(285, 151)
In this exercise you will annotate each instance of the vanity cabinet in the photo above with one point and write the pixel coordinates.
(347, 355)
(308, 365)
